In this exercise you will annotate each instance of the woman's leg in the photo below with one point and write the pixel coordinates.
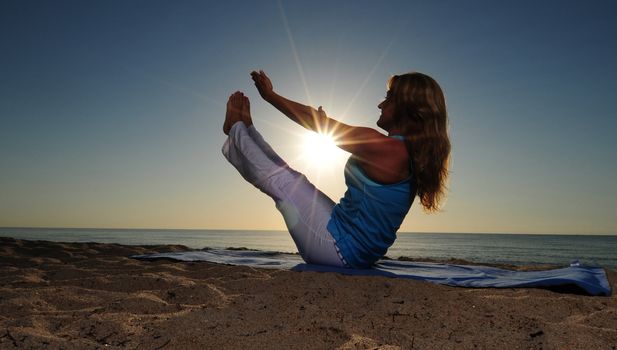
(306, 210)
(245, 116)
(265, 147)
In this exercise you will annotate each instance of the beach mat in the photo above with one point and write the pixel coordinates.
(590, 280)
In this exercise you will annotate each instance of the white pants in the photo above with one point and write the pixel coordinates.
(305, 209)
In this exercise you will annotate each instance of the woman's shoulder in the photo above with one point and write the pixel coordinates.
(389, 164)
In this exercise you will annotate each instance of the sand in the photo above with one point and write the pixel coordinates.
(90, 295)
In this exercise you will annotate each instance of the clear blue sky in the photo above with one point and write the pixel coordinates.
(111, 111)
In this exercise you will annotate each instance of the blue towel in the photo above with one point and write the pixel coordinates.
(592, 280)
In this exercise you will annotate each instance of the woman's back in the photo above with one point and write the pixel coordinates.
(365, 222)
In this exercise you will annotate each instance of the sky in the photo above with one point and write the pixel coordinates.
(111, 112)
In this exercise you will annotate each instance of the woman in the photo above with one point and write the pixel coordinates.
(383, 174)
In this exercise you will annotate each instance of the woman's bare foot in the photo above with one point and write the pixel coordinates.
(234, 111)
(246, 111)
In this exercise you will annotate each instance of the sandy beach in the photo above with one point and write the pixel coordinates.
(90, 295)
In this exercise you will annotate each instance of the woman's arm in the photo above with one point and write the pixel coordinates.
(306, 116)
(360, 141)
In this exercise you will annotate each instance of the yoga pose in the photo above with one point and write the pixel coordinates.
(383, 174)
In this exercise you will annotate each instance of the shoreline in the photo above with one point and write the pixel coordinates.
(91, 295)
(505, 264)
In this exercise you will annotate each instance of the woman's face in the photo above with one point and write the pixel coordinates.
(386, 119)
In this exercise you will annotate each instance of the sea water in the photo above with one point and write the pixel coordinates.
(518, 249)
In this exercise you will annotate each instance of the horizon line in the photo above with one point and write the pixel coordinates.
(282, 230)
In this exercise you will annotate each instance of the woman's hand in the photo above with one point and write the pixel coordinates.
(263, 84)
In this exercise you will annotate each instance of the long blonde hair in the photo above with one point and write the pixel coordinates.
(421, 116)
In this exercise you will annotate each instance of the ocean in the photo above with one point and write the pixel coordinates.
(516, 249)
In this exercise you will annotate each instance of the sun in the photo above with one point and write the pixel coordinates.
(320, 149)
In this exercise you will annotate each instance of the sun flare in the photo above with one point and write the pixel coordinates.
(320, 149)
